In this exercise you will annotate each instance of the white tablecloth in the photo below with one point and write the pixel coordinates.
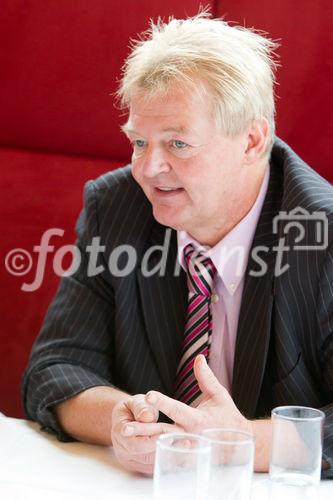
(35, 466)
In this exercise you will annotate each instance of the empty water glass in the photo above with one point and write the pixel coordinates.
(231, 464)
(182, 465)
(297, 438)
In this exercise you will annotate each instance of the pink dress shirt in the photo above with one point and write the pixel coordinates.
(230, 257)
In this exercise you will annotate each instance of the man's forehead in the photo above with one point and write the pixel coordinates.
(175, 111)
(129, 128)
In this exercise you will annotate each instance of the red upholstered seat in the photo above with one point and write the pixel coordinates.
(59, 127)
(40, 191)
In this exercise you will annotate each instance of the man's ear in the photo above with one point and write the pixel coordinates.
(257, 138)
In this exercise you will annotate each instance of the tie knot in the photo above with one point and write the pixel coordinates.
(200, 271)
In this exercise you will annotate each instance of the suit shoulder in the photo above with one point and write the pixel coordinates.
(303, 186)
(119, 177)
(116, 188)
(122, 209)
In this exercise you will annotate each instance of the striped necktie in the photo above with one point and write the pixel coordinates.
(198, 329)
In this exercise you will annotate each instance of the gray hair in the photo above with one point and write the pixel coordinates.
(235, 64)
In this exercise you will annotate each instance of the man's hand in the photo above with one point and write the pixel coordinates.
(134, 433)
(217, 408)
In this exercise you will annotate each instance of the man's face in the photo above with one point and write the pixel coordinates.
(192, 174)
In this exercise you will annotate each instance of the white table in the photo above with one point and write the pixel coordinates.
(35, 466)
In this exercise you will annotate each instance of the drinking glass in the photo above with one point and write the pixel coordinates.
(232, 458)
(297, 438)
(182, 465)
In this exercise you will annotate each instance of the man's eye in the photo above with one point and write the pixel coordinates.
(138, 143)
(179, 144)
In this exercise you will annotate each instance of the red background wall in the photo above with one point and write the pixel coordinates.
(59, 63)
(304, 103)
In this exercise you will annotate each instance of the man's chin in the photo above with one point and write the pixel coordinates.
(168, 220)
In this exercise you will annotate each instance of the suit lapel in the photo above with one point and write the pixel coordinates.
(163, 302)
(254, 324)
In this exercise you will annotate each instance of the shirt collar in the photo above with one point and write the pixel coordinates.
(230, 255)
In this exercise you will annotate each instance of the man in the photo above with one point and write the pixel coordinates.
(232, 288)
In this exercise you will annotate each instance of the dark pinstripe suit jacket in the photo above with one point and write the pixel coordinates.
(127, 331)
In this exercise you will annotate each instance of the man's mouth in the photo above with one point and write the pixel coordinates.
(168, 190)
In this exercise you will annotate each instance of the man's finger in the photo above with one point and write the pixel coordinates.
(121, 414)
(208, 383)
(180, 413)
(142, 412)
(139, 429)
(134, 445)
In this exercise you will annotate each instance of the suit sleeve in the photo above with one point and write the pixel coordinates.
(74, 349)
(325, 319)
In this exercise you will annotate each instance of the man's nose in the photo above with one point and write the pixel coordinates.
(155, 163)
